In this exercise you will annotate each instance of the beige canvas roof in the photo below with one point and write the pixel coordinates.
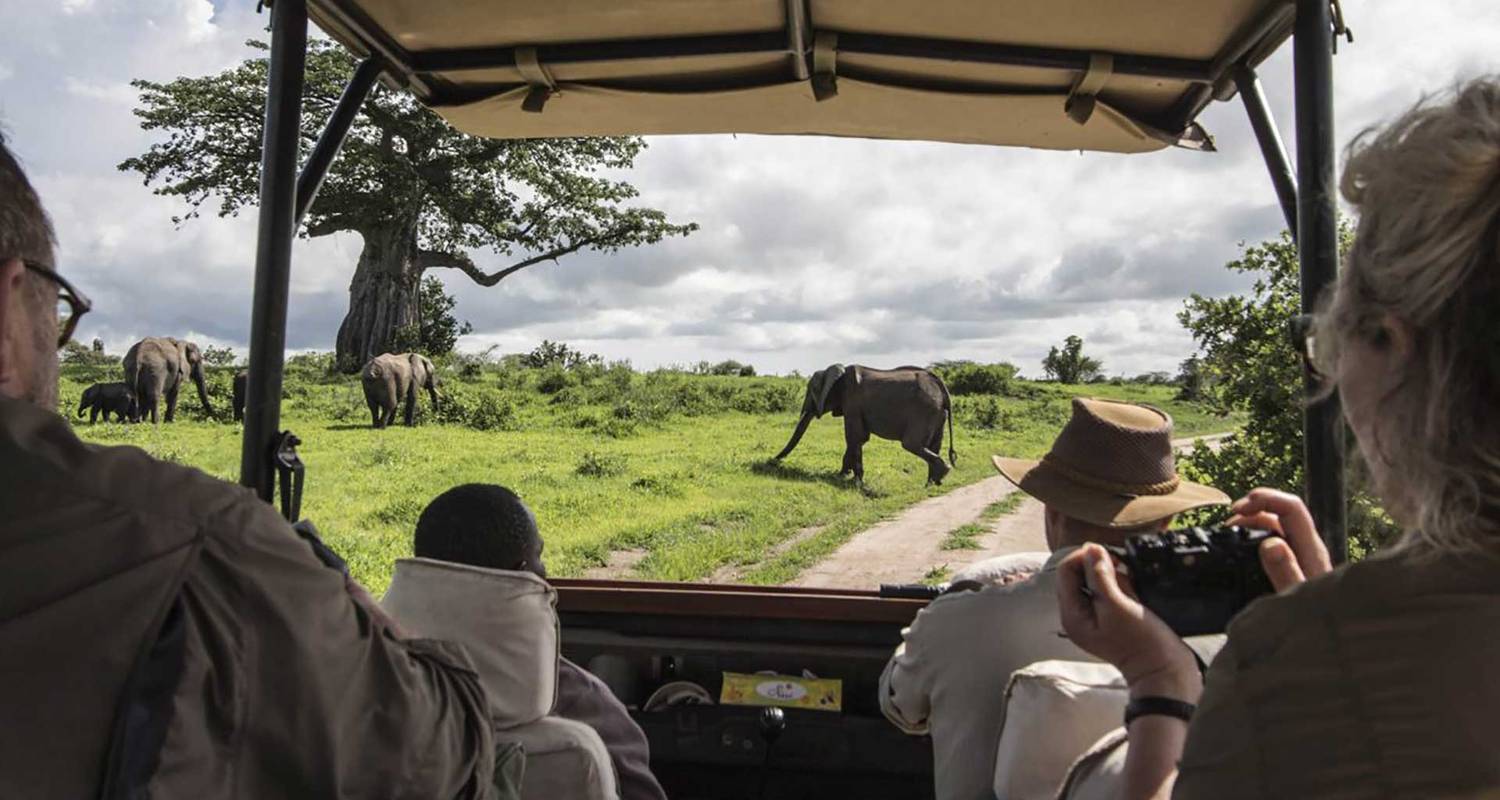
(1111, 75)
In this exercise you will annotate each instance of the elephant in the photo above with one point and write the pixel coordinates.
(390, 378)
(155, 368)
(241, 378)
(906, 404)
(103, 398)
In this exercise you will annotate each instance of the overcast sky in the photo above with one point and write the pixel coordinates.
(811, 250)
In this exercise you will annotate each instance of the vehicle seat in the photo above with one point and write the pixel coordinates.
(1054, 711)
(1098, 774)
(507, 621)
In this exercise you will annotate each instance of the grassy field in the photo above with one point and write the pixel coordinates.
(668, 464)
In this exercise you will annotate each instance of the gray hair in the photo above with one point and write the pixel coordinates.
(1427, 252)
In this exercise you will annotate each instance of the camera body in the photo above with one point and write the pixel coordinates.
(1197, 579)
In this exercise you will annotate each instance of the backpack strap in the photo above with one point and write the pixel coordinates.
(144, 710)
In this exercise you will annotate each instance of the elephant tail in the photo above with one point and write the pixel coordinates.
(948, 409)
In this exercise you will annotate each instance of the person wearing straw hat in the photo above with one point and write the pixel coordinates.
(1110, 474)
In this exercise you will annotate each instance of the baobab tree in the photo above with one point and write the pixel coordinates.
(420, 194)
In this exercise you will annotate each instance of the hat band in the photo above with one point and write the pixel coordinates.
(1160, 488)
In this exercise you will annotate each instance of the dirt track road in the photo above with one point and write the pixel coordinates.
(907, 547)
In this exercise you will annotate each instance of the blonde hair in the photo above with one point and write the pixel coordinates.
(1427, 252)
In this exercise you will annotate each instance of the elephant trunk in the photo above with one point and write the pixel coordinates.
(202, 389)
(802, 424)
(83, 403)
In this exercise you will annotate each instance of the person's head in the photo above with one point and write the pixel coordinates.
(1065, 531)
(28, 298)
(1110, 474)
(1412, 332)
(482, 525)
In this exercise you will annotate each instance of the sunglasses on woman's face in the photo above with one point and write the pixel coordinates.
(71, 303)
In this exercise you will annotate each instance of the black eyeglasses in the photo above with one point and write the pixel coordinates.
(1304, 332)
(71, 303)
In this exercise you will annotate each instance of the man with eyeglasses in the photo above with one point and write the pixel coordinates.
(166, 634)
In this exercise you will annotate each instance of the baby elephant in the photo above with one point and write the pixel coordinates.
(103, 398)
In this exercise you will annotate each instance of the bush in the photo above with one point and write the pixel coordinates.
(967, 377)
(552, 380)
(600, 465)
(493, 413)
(76, 354)
(557, 354)
(1070, 365)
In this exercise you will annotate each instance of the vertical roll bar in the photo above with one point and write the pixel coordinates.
(1271, 148)
(332, 138)
(1318, 254)
(273, 245)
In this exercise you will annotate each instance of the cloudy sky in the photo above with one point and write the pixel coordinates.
(811, 250)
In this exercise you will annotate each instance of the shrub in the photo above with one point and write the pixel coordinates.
(552, 380)
(1070, 365)
(76, 354)
(492, 413)
(967, 377)
(600, 465)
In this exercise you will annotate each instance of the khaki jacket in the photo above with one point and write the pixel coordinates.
(948, 677)
(1380, 680)
(286, 689)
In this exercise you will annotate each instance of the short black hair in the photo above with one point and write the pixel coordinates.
(479, 524)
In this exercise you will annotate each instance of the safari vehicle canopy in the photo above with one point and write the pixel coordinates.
(1099, 75)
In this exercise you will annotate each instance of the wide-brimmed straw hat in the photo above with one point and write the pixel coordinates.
(1112, 465)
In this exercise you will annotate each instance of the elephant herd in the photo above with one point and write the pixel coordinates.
(155, 368)
(908, 404)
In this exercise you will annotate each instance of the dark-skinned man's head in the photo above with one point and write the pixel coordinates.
(482, 525)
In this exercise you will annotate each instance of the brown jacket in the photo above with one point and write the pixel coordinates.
(286, 687)
(1380, 680)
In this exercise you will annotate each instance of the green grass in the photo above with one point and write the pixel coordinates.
(1002, 507)
(936, 575)
(692, 487)
(966, 536)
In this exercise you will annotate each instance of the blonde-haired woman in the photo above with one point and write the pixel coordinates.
(1380, 678)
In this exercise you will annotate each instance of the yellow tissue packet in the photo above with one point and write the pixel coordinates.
(785, 691)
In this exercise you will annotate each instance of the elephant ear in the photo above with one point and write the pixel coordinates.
(829, 377)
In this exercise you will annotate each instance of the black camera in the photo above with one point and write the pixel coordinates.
(1197, 579)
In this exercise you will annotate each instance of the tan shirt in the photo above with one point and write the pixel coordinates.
(1380, 680)
(948, 677)
(287, 689)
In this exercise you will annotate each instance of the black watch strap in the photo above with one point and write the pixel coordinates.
(1165, 706)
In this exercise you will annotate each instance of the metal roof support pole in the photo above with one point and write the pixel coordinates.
(332, 138)
(273, 244)
(1271, 148)
(1318, 254)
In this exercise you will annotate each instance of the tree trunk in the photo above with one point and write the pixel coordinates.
(383, 297)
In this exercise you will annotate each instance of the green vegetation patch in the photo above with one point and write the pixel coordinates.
(689, 483)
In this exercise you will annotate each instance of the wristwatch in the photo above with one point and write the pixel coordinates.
(1165, 706)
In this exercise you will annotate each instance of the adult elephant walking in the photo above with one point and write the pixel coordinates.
(391, 378)
(906, 404)
(154, 369)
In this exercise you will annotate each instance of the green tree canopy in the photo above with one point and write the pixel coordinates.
(438, 330)
(419, 193)
(1248, 363)
(1070, 365)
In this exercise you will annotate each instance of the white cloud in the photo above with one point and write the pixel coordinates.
(811, 250)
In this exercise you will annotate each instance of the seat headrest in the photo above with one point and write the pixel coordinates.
(1054, 710)
(506, 620)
